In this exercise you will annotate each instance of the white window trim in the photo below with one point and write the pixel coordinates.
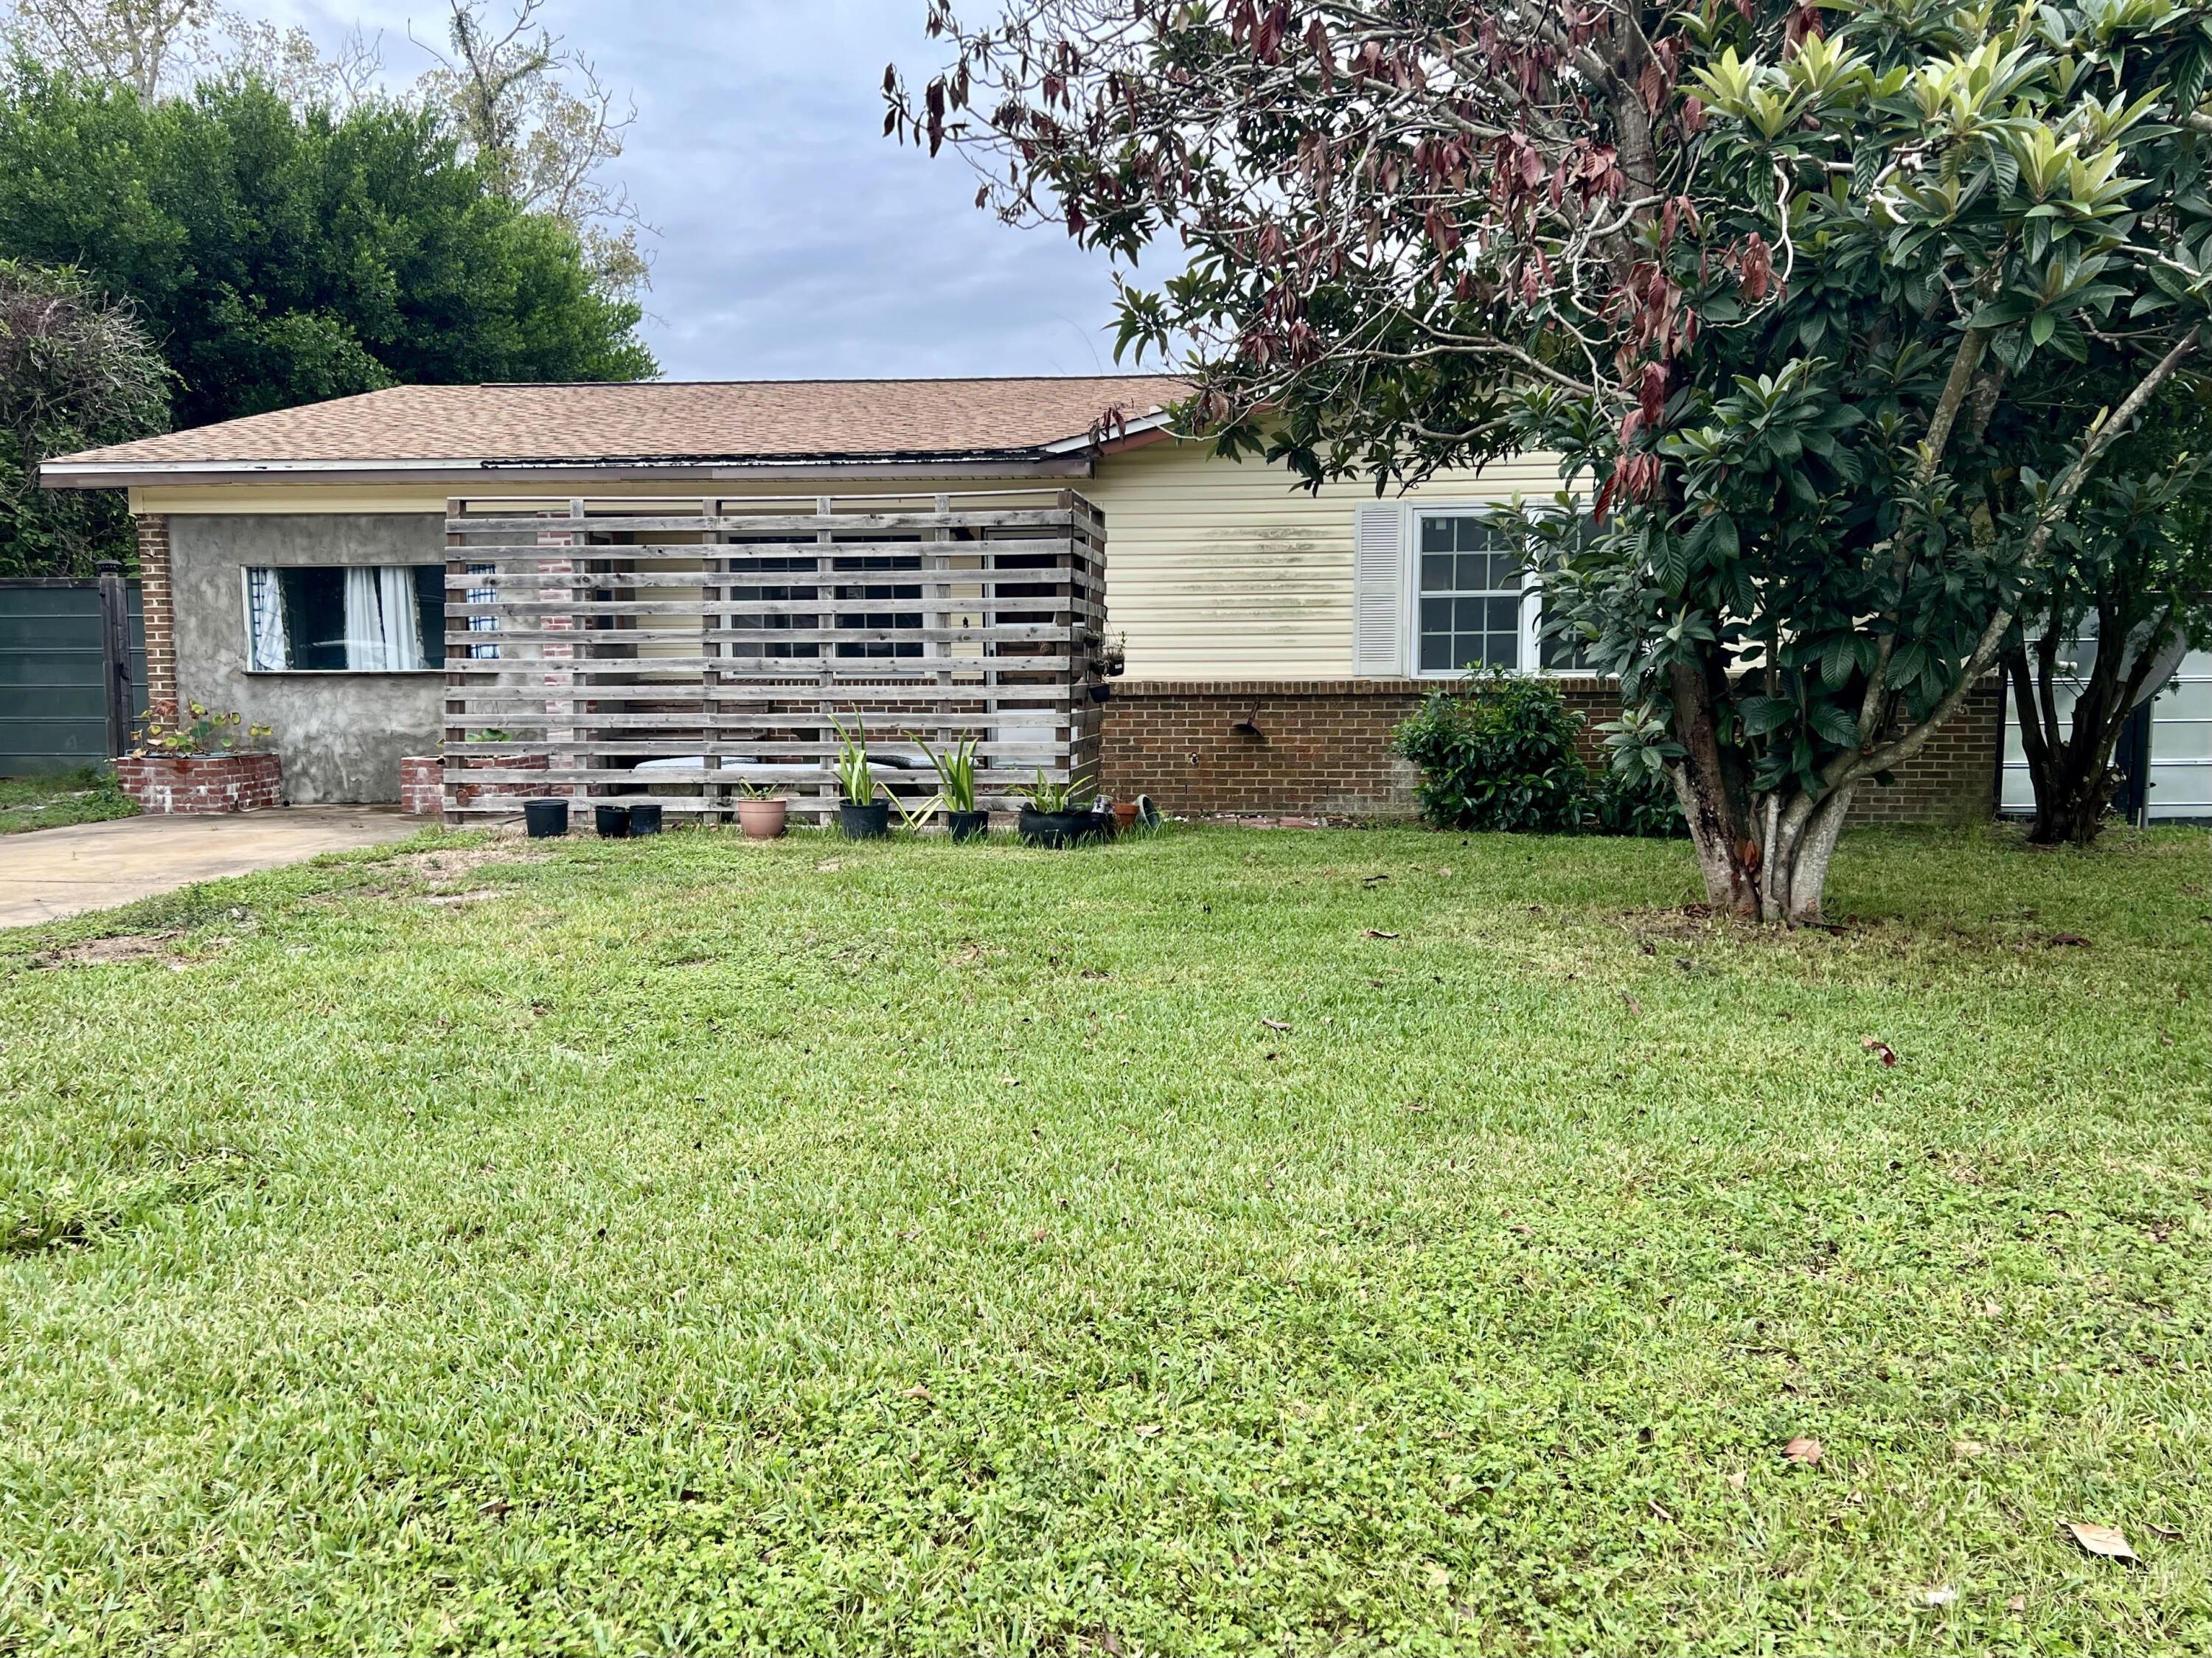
(1532, 596)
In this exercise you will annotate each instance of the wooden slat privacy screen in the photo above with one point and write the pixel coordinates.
(712, 642)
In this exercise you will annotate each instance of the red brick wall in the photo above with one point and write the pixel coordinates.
(1322, 747)
(159, 599)
(421, 784)
(1953, 779)
(201, 783)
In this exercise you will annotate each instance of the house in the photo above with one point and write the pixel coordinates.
(1271, 636)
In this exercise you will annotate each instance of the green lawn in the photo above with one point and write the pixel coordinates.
(921, 1247)
(76, 797)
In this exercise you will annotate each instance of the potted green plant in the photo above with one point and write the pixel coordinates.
(956, 779)
(1057, 814)
(859, 814)
(760, 815)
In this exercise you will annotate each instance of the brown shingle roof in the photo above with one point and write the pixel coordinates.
(696, 421)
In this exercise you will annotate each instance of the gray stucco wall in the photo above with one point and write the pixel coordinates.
(340, 735)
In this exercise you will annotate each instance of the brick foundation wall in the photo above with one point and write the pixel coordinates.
(158, 598)
(1322, 747)
(202, 783)
(1954, 778)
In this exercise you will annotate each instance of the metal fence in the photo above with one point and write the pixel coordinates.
(58, 709)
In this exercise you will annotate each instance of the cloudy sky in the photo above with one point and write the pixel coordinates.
(794, 240)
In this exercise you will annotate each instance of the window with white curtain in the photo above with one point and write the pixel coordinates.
(372, 618)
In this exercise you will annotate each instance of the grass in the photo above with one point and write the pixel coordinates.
(89, 796)
(816, 1246)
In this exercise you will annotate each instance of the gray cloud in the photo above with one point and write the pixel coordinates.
(794, 239)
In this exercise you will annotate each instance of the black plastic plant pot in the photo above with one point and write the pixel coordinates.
(614, 823)
(864, 823)
(968, 825)
(1057, 829)
(546, 820)
(645, 819)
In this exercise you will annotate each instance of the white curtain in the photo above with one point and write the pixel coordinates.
(383, 630)
(268, 649)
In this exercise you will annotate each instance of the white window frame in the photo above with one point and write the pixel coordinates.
(1532, 595)
(432, 650)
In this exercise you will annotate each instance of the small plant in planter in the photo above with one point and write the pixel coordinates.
(192, 763)
(1058, 814)
(859, 814)
(956, 779)
(761, 814)
(199, 731)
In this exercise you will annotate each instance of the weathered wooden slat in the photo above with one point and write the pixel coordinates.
(767, 524)
(922, 782)
(934, 555)
(807, 670)
(1009, 633)
(880, 604)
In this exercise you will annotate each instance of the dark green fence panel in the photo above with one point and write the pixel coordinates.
(53, 703)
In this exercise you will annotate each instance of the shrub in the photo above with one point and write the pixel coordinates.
(1498, 751)
(1635, 803)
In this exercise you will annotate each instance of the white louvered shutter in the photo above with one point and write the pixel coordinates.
(1378, 587)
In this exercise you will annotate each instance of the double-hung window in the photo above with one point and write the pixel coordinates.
(325, 618)
(1470, 594)
(1476, 604)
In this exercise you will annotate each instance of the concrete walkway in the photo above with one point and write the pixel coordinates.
(47, 874)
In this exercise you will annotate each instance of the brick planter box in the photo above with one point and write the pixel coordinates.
(421, 784)
(422, 781)
(201, 783)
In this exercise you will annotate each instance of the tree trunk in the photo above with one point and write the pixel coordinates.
(1711, 785)
(2070, 764)
(1799, 846)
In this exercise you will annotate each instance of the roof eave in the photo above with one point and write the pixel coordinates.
(120, 474)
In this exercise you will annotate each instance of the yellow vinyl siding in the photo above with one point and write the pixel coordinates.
(1224, 570)
(1215, 569)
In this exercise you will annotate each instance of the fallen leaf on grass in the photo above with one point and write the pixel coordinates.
(915, 1392)
(1377, 933)
(827, 865)
(1968, 1448)
(2171, 1534)
(1803, 1450)
(1010, 1082)
(2105, 1540)
(1635, 1007)
(2018, 1603)
(1882, 1050)
(1938, 1597)
(1660, 1512)
(1274, 1024)
(2074, 939)
(1735, 1480)
(1147, 1431)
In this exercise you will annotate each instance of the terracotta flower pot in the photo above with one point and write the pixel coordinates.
(763, 820)
(1125, 817)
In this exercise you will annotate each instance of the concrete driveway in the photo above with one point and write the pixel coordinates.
(47, 874)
